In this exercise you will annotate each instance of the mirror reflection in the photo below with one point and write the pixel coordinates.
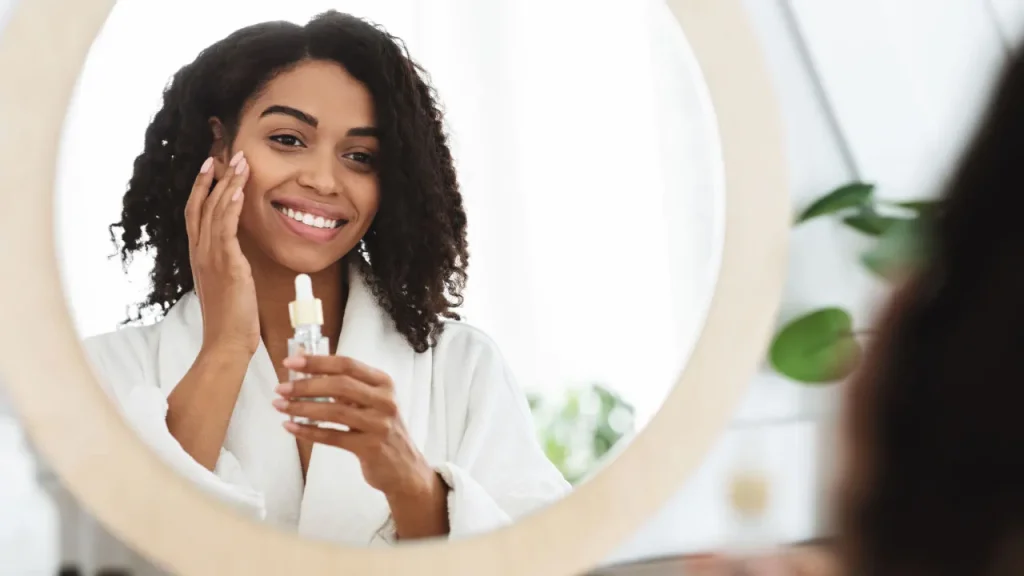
(374, 272)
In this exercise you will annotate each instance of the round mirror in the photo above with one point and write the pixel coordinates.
(593, 220)
(372, 274)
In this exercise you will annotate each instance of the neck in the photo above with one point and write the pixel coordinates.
(275, 288)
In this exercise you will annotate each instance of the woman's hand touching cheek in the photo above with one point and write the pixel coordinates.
(223, 278)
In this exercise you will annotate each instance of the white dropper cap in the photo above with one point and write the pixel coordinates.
(303, 288)
(306, 309)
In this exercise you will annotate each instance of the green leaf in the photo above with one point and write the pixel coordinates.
(870, 223)
(816, 348)
(571, 409)
(901, 249)
(855, 195)
(922, 207)
(556, 452)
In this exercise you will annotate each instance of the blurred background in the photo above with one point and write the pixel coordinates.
(871, 91)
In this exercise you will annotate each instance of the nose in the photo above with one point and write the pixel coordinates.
(318, 173)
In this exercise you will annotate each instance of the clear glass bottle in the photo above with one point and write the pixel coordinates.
(307, 318)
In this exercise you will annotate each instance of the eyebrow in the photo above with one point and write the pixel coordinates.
(312, 121)
(293, 112)
(363, 131)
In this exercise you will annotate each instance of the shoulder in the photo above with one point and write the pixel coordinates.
(123, 353)
(123, 341)
(475, 380)
(467, 361)
(137, 345)
(466, 344)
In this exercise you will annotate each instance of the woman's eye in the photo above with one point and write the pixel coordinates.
(361, 157)
(287, 140)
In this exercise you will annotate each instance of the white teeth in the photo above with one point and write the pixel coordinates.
(308, 219)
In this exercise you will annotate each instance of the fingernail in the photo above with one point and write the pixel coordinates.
(294, 362)
(290, 426)
(240, 167)
(280, 403)
(235, 158)
(236, 195)
(284, 388)
(206, 166)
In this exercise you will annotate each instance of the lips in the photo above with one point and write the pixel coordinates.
(309, 218)
(312, 206)
(311, 221)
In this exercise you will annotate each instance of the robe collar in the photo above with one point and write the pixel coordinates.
(336, 503)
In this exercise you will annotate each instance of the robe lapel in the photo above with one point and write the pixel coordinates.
(181, 336)
(266, 452)
(338, 504)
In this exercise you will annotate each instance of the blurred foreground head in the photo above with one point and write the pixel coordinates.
(933, 476)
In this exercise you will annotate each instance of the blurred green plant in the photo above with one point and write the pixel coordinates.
(579, 425)
(822, 346)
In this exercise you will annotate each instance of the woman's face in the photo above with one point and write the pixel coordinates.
(312, 193)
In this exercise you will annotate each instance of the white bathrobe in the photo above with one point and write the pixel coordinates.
(459, 401)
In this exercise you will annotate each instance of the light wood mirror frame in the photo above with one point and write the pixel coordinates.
(116, 477)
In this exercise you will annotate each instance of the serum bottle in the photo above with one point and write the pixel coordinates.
(307, 316)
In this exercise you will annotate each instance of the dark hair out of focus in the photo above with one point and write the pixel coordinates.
(934, 483)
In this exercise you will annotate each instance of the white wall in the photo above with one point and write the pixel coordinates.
(873, 89)
(881, 90)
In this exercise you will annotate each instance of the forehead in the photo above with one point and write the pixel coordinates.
(324, 90)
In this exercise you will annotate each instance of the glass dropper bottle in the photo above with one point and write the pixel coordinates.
(307, 317)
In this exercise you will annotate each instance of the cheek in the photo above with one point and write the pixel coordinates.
(256, 208)
(253, 202)
(266, 172)
(267, 164)
(365, 195)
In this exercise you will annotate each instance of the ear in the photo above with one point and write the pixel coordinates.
(218, 150)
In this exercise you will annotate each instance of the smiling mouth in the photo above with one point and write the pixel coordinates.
(309, 219)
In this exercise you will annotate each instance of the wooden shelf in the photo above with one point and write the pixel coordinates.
(807, 559)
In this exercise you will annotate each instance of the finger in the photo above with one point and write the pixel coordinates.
(355, 418)
(337, 438)
(229, 209)
(238, 179)
(344, 388)
(235, 169)
(194, 206)
(338, 365)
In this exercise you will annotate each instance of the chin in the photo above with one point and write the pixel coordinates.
(302, 262)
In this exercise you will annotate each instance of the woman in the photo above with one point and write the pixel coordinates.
(933, 482)
(317, 149)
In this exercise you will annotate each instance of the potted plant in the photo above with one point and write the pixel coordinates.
(823, 346)
(578, 426)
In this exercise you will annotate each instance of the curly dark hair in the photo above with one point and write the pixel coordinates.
(414, 254)
(935, 484)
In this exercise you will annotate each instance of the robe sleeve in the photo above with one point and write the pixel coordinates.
(120, 362)
(498, 471)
